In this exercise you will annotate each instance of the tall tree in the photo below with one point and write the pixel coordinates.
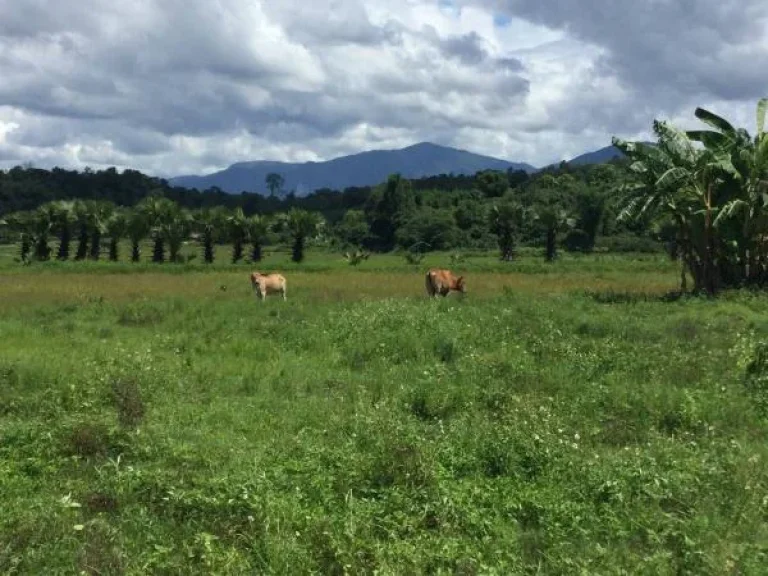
(389, 208)
(492, 183)
(505, 220)
(274, 182)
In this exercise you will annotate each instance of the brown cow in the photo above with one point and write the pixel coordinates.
(441, 282)
(264, 284)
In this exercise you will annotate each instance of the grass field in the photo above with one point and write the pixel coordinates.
(558, 419)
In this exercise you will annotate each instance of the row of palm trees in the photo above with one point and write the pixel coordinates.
(166, 224)
(711, 188)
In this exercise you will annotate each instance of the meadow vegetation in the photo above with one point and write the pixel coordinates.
(559, 418)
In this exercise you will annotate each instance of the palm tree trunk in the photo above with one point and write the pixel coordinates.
(208, 254)
(237, 251)
(551, 244)
(82, 243)
(96, 245)
(298, 248)
(42, 250)
(64, 241)
(158, 252)
(26, 246)
(113, 249)
(256, 252)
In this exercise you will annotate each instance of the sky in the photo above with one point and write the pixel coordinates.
(173, 87)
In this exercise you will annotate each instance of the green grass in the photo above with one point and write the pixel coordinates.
(564, 421)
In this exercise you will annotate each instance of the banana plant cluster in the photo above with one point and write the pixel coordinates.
(157, 219)
(712, 186)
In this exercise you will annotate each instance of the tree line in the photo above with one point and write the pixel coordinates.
(549, 209)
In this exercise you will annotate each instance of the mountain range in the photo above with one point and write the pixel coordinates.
(365, 169)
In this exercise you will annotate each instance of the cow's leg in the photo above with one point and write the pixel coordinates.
(285, 297)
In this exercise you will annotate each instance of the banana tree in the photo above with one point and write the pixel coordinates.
(675, 179)
(747, 206)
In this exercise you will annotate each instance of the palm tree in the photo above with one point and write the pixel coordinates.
(64, 219)
(237, 225)
(258, 226)
(301, 224)
(554, 220)
(21, 223)
(137, 228)
(82, 210)
(208, 222)
(116, 228)
(43, 220)
(100, 215)
(158, 211)
(176, 228)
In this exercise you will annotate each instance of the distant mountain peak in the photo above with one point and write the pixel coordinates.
(367, 168)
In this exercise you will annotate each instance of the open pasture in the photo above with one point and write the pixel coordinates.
(559, 419)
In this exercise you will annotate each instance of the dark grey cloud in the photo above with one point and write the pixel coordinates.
(179, 86)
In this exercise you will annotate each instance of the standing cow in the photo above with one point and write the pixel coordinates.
(264, 284)
(441, 282)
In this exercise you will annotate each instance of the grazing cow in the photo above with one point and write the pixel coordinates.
(441, 282)
(264, 284)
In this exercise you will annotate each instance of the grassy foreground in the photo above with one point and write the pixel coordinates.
(154, 422)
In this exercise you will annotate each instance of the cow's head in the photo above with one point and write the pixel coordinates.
(460, 285)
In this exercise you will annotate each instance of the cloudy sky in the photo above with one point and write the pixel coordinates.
(190, 86)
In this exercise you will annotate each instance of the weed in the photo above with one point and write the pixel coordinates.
(126, 395)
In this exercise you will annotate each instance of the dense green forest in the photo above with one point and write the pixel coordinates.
(702, 195)
(568, 205)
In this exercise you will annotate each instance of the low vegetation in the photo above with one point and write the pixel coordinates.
(550, 421)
